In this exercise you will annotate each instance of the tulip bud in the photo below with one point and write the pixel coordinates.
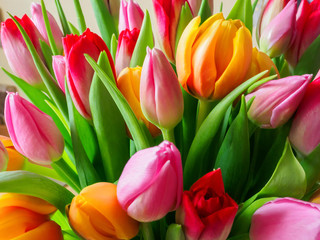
(79, 71)
(38, 20)
(160, 93)
(27, 217)
(196, 4)
(16, 51)
(33, 133)
(207, 212)
(16, 160)
(276, 38)
(96, 214)
(3, 157)
(213, 59)
(130, 16)
(150, 185)
(304, 134)
(59, 69)
(277, 100)
(129, 84)
(295, 219)
(126, 43)
(113, 7)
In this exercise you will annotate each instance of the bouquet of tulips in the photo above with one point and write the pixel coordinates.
(204, 137)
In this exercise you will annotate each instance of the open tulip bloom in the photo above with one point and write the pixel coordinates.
(186, 129)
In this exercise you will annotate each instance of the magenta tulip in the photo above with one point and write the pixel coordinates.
(79, 71)
(160, 93)
(167, 15)
(276, 38)
(4, 157)
(16, 51)
(33, 133)
(196, 4)
(37, 18)
(126, 43)
(304, 134)
(130, 16)
(150, 185)
(207, 212)
(59, 69)
(286, 218)
(277, 100)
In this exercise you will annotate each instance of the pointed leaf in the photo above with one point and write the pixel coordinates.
(204, 11)
(81, 22)
(242, 10)
(47, 53)
(62, 17)
(74, 30)
(113, 48)
(185, 18)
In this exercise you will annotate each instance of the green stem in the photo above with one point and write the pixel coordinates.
(168, 134)
(67, 173)
(147, 231)
(204, 108)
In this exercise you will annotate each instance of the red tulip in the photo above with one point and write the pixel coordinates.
(207, 212)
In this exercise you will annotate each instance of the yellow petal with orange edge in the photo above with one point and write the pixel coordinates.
(16, 160)
(236, 71)
(31, 203)
(207, 23)
(46, 231)
(6, 141)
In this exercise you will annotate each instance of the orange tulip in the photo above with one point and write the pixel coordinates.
(16, 160)
(25, 217)
(213, 58)
(129, 85)
(96, 214)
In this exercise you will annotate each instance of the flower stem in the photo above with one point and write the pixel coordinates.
(147, 231)
(168, 134)
(204, 109)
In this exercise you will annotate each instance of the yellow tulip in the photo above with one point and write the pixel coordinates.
(96, 214)
(129, 85)
(16, 160)
(25, 217)
(213, 58)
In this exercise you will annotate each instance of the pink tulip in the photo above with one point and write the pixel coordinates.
(167, 15)
(307, 30)
(276, 38)
(304, 134)
(79, 71)
(4, 157)
(277, 100)
(126, 43)
(151, 183)
(196, 4)
(286, 218)
(160, 93)
(33, 133)
(37, 18)
(59, 69)
(130, 16)
(16, 51)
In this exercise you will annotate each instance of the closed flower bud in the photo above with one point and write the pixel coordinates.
(150, 185)
(130, 15)
(129, 84)
(276, 101)
(59, 69)
(3, 157)
(33, 133)
(160, 93)
(213, 58)
(16, 160)
(96, 214)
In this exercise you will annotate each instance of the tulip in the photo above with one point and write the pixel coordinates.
(129, 85)
(3, 157)
(38, 20)
(207, 212)
(59, 69)
(79, 71)
(33, 133)
(196, 4)
(304, 134)
(113, 7)
(167, 15)
(96, 214)
(126, 43)
(150, 185)
(214, 58)
(277, 100)
(27, 217)
(307, 30)
(16, 160)
(160, 93)
(16, 51)
(276, 38)
(286, 218)
(130, 15)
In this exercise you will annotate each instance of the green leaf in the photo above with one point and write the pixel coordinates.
(175, 232)
(234, 155)
(35, 185)
(254, 5)
(105, 21)
(139, 137)
(240, 237)
(81, 22)
(62, 17)
(207, 131)
(185, 18)
(111, 131)
(288, 179)
(242, 10)
(74, 30)
(144, 40)
(204, 11)
(260, 82)
(113, 48)
(47, 53)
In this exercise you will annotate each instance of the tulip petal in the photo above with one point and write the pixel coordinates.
(59, 69)
(48, 230)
